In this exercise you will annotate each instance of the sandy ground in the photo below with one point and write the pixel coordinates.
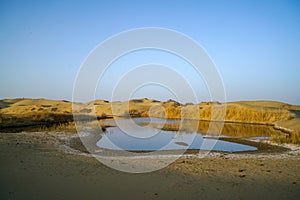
(33, 166)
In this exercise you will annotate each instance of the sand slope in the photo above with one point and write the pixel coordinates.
(272, 104)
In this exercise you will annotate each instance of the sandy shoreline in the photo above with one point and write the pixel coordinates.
(33, 166)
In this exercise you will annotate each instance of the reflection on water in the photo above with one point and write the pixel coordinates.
(205, 128)
(166, 140)
(234, 130)
(289, 138)
(117, 139)
(237, 130)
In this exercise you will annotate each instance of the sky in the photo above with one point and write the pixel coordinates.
(255, 45)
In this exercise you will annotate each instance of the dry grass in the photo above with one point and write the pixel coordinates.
(15, 112)
(293, 124)
(230, 112)
(290, 138)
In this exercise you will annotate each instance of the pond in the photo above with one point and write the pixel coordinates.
(154, 134)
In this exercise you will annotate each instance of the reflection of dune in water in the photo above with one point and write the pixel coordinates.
(226, 129)
(290, 138)
(234, 130)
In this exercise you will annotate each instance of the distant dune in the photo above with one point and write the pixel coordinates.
(271, 104)
(26, 112)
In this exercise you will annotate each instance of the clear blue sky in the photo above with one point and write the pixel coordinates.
(255, 44)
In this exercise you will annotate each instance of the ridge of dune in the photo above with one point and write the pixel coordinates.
(268, 103)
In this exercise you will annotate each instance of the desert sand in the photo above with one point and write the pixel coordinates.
(51, 164)
(38, 166)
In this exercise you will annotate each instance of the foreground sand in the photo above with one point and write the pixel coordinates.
(33, 166)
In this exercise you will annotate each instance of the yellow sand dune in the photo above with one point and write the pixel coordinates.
(25, 111)
(271, 104)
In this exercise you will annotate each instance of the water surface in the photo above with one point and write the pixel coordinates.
(166, 139)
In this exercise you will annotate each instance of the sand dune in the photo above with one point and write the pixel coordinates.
(24, 112)
(271, 104)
